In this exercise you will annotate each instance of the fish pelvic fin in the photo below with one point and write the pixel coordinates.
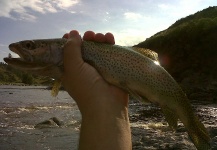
(199, 135)
(170, 117)
(147, 52)
(55, 88)
(138, 97)
(134, 94)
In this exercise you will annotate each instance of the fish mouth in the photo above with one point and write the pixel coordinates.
(24, 62)
(24, 65)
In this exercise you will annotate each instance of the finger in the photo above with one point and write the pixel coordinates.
(89, 36)
(109, 38)
(99, 37)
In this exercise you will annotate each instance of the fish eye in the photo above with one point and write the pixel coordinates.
(28, 45)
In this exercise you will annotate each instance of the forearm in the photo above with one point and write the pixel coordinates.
(107, 129)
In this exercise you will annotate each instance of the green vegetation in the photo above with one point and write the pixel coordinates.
(9, 75)
(189, 44)
(210, 12)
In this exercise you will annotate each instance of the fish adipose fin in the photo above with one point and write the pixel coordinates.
(170, 117)
(147, 52)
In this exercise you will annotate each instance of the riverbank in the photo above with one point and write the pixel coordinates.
(22, 107)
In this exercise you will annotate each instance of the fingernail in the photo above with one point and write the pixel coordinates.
(89, 36)
(99, 37)
(73, 33)
(110, 38)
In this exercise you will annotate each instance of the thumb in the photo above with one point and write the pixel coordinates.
(72, 53)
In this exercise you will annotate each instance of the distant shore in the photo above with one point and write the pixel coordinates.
(20, 84)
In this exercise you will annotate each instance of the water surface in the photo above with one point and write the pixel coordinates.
(22, 107)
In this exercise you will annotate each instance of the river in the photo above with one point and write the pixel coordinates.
(22, 107)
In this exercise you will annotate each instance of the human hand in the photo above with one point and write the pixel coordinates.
(105, 122)
(82, 81)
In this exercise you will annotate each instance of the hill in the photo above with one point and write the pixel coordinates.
(188, 48)
(188, 43)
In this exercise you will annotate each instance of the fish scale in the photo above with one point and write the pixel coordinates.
(124, 63)
(132, 69)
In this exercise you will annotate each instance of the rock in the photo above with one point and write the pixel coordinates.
(50, 123)
(181, 129)
(57, 121)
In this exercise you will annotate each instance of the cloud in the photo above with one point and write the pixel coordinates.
(64, 4)
(128, 37)
(128, 40)
(164, 6)
(24, 9)
(132, 16)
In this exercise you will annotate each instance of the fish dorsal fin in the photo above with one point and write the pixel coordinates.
(147, 52)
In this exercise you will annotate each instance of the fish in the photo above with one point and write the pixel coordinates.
(135, 70)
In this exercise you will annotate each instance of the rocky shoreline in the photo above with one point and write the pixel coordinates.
(150, 131)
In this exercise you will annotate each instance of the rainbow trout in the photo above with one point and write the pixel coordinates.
(133, 69)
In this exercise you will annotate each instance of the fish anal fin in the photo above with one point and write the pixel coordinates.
(170, 117)
(147, 52)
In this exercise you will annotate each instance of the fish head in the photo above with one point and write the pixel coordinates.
(42, 57)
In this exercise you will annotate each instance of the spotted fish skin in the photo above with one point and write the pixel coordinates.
(139, 75)
(131, 70)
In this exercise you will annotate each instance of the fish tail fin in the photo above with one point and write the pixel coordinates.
(199, 135)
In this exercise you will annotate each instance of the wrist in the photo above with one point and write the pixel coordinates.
(107, 127)
(105, 108)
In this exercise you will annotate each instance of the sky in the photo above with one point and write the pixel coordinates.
(131, 21)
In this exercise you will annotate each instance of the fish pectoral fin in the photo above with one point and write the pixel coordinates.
(147, 52)
(55, 88)
(170, 117)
